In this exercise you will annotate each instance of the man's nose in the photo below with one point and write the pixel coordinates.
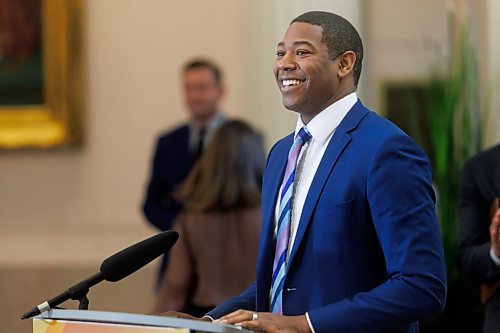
(287, 63)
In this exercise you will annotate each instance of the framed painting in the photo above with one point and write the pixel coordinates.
(41, 88)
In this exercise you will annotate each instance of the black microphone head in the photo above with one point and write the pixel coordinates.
(134, 257)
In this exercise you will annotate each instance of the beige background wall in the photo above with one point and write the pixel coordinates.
(407, 40)
(493, 69)
(402, 47)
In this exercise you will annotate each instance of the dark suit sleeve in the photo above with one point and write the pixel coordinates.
(474, 245)
(401, 201)
(245, 301)
(159, 206)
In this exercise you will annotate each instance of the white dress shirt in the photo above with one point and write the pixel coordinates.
(321, 127)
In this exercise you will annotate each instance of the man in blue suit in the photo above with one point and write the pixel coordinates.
(354, 195)
(177, 150)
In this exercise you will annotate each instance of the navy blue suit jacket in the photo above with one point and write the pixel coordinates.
(172, 162)
(368, 255)
(171, 165)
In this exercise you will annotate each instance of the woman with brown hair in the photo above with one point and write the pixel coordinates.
(215, 257)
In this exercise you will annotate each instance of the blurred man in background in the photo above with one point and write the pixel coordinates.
(178, 149)
(479, 240)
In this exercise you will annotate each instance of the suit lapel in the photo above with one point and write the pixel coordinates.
(274, 178)
(336, 146)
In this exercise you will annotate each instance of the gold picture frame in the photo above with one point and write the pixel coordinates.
(58, 121)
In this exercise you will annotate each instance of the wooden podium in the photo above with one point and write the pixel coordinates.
(83, 321)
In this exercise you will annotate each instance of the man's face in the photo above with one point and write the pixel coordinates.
(202, 93)
(305, 75)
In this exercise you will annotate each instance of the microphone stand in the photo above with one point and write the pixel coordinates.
(78, 292)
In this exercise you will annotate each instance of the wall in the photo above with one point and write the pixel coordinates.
(407, 40)
(134, 51)
(493, 69)
(405, 46)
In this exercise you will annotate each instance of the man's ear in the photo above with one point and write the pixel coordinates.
(346, 64)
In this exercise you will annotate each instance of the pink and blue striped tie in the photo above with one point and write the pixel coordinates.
(284, 220)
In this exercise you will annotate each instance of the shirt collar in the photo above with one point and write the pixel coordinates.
(213, 124)
(325, 122)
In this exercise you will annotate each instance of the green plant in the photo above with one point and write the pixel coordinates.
(453, 113)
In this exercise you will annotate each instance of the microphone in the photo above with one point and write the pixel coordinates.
(113, 269)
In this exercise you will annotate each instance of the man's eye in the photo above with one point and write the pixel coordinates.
(302, 52)
(280, 54)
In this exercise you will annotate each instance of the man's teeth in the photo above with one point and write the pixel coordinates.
(287, 83)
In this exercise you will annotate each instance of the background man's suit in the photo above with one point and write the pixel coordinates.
(480, 184)
(171, 164)
(367, 256)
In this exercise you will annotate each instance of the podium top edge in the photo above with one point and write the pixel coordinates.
(124, 318)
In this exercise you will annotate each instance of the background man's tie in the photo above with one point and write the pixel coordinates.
(202, 133)
(284, 220)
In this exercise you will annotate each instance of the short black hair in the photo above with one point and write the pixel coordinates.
(203, 63)
(339, 35)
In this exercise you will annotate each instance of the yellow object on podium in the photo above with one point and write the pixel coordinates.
(62, 326)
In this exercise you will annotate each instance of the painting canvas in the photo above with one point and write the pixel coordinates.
(40, 73)
(21, 80)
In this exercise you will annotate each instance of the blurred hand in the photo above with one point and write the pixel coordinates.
(175, 314)
(495, 233)
(267, 322)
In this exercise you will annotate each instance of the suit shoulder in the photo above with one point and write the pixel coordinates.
(381, 127)
(174, 134)
(483, 168)
(489, 156)
(380, 135)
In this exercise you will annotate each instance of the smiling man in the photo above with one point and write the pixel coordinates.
(350, 239)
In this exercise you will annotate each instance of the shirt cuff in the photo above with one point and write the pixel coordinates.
(209, 317)
(495, 259)
(309, 322)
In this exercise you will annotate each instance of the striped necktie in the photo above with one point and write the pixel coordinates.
(284, 221)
